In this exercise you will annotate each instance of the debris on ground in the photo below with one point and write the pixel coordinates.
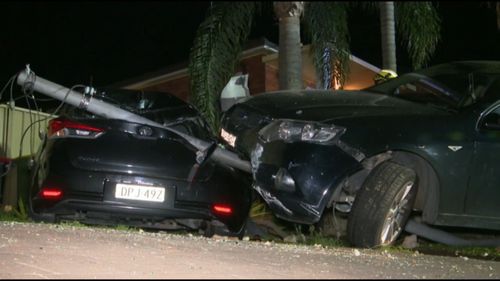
(410, 242)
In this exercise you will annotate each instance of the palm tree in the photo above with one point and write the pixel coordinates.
(419, 26)
(388, 35)
(496, 6)
(416, 23)
(290, 62)
(220, 37)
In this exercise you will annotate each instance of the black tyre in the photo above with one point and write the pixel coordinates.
(382, 206)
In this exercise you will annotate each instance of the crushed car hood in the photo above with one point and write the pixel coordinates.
(324, 105)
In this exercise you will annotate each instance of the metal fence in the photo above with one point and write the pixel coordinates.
(20, 129)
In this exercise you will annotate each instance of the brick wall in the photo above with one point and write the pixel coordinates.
(263, 78)
(255, 69)
(272, 78)
(257, 80)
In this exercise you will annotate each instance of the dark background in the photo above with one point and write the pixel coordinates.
(101, 43)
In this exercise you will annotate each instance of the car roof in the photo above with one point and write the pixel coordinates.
(463, 66)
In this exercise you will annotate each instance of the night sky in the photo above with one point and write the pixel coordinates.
(106, 42)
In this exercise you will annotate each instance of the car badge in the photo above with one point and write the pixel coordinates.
(454, 148)
(145, 131)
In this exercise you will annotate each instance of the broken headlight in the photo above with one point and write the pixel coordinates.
(294, 130)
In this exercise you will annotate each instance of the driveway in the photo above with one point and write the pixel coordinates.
(31, 250)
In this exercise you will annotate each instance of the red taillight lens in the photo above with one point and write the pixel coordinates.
(51, 193)
(60, 127)
(222, 209)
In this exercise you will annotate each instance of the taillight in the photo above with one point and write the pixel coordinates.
(222, 209)
(60, 127)
(51, 193)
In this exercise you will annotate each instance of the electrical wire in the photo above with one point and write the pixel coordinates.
(28, 93)
(51, 115)
(10, 81)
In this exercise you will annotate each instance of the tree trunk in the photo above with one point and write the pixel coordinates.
(498, 15)
(387, 29)
(290, 47)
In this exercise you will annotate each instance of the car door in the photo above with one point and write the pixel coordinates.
(483, 193)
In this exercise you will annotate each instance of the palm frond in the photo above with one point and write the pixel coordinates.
(264, 8)
(326, 25)
(369, 6)
(215, 52)
(419, 25)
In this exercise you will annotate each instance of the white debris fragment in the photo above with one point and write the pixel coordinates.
(410, 242)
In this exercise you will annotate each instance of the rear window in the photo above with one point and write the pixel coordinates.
(163, 108)
(138, 102)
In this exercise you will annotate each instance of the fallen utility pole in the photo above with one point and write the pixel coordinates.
(106, 110)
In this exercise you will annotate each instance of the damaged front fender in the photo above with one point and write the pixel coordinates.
(297, 179)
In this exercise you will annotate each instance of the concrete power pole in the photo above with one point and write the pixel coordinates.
(106, 110)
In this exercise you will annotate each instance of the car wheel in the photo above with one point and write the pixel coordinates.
(382, 206)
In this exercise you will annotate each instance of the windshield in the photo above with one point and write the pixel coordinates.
(450, 86)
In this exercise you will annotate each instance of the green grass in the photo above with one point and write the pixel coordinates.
(327, 242)
(69, 223)
(425, 247)
(120, 227)
(11, 216)
(123, 227)
(19, 214)
(487, 253)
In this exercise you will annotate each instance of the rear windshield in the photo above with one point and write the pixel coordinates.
(163, 108)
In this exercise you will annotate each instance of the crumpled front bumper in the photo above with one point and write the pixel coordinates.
(297, 179)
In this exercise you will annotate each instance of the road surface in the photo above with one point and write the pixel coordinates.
(34, 250)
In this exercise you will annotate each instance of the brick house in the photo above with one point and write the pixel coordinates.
(260, 61)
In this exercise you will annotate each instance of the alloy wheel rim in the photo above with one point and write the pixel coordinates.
(393, 222)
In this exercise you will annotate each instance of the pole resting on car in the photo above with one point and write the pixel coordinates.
(26, 78)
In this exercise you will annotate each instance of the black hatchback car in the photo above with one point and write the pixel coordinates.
(98, 170)
(426, 141)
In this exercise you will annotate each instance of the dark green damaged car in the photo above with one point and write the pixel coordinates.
(426, 143)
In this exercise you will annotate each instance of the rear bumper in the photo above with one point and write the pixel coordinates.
(89, 195)
(117, 209)
(119, 213)
(115, 213)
